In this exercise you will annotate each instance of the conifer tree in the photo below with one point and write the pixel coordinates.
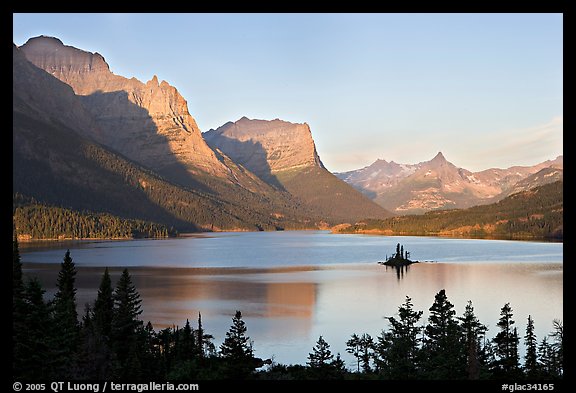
(353, 347)
(400, 346)
(36, 359)
(200, 337)
(66, 316)
(104, 306)
(531, 357)
(506, 346)
(237, 349)
(473, 332)
(125, 325)
(444, 354)
(321, 356)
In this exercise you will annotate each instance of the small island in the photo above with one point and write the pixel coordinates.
(399, 259)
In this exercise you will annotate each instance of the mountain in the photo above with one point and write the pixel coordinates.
(147, 122)
(56, 162)
(438, 184)
(89, 140)
(284, 155)
(536, 213)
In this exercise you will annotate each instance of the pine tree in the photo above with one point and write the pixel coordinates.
(237, 349)
(547, 360)
(66, 316)
(96, 353)
(200, 337)
(187, 347)
(104, 306)
(444, 354)
(321, 356)
(37, 347)
(531, 357)
(399, 348)
(473, 332)
(353, 347)
(125, 325)
(204, 347)
(506, 341)
(366, 352)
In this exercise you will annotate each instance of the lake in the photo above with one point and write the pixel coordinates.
(294, 286)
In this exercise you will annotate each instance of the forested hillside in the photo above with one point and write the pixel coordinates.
(532, 214)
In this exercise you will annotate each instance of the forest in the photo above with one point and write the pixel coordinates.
(533, 214)
(110, 341)
(40, 221)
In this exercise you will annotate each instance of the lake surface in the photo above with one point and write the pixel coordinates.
(294, 286)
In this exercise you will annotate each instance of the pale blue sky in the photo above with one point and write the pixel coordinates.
(485, 89)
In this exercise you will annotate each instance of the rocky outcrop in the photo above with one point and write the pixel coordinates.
(147, 122)
(39, 95)
(266, 147)
(284, 155)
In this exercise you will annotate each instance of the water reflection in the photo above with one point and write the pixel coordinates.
(399, 270)
(288, 303)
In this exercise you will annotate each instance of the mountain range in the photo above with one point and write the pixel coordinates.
(87, 139)
(89, 142)
(439, 184)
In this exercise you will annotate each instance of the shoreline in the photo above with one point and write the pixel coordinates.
(26, 240)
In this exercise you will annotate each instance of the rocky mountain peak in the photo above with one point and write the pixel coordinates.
(147, 122)
(266, 146)
(153, 81)
(50, 54)
(439, 158)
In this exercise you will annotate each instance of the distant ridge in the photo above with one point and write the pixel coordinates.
(438, 184)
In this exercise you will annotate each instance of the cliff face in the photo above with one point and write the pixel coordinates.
(266, 147)
(147, 122)
(284, 155)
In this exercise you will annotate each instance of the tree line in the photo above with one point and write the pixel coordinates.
(110, 341)
(39, 221)
(533, 214)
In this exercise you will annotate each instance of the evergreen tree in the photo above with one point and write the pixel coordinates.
(366, 351)
(362, 348)
(200, 337)
(125, 325)
(547, 360)
(237, 349)
(37, 347)
(506, 364)
(66, 316)
(443, 351)
(322, 364)
(473, 332)
(400, 346)
(104, 306)
(95, 357)
(321, 356)
(531, 357)
(353, 347)
(205, 347)
(187, 347)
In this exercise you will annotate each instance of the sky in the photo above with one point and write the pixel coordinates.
(484, 89)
